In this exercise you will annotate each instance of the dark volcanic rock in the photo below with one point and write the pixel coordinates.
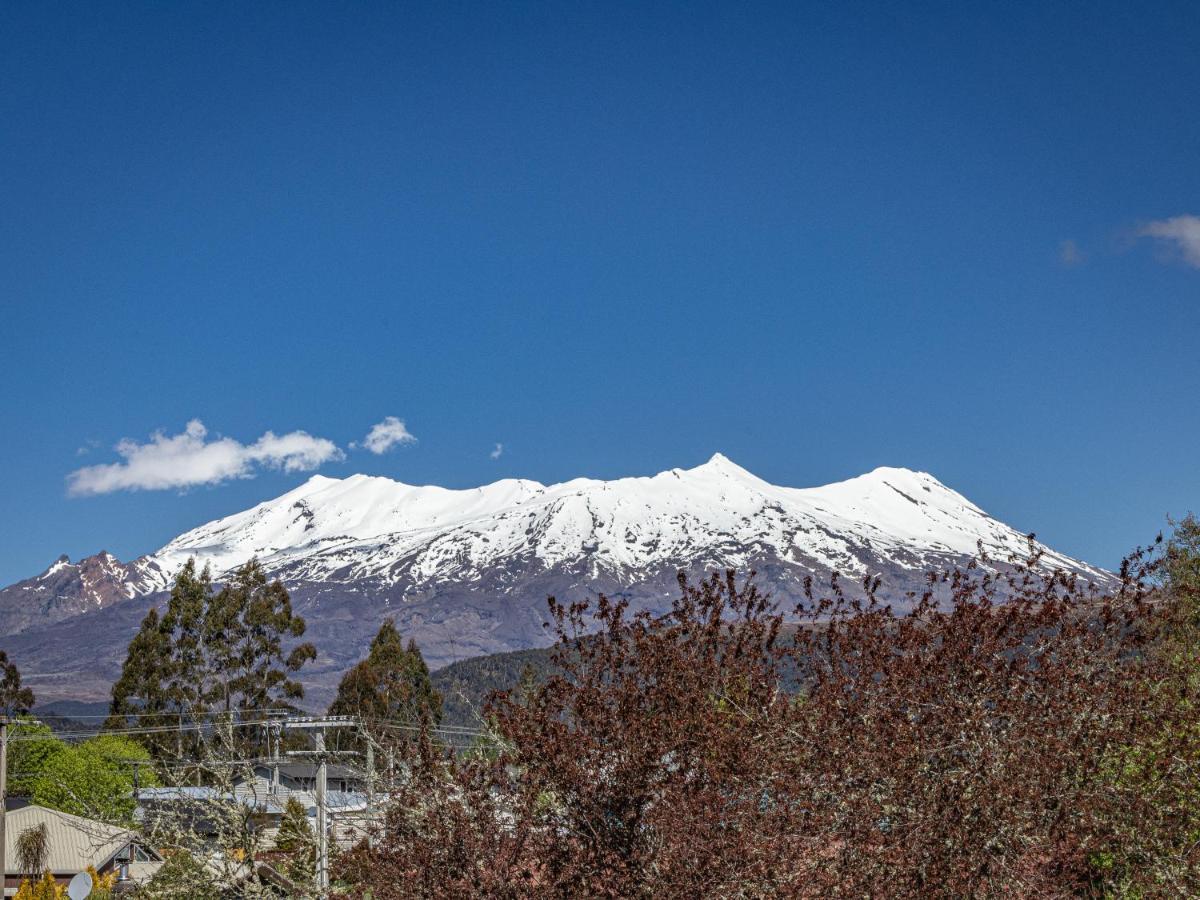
(68, 589)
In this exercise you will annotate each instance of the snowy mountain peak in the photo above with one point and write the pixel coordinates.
(318, 480)
(716, 514)
(721, 462)
(68, 588)
(721, 465)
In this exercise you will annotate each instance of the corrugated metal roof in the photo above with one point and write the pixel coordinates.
(263, 802)
(309, 770)
(74, 842)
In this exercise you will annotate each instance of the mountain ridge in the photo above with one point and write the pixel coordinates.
(380, 519)
(466, 572)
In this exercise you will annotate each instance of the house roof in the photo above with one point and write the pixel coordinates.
(74, 843)
(335, 801)
(309, 770)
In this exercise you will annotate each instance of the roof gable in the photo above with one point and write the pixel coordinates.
(74, 842)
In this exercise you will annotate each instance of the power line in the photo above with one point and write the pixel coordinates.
(150, 729)
(138, 715)
(296, 722)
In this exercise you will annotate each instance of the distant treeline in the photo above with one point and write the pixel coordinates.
(466, 685)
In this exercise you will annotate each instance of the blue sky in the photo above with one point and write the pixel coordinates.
(613, 238)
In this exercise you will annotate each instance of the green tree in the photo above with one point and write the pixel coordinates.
(232, 650)
(297, 843)
(181, 877)
(186, 680)
(164, 666)
(1178, 567)
(1181, 559)
(358, 692)
(139, 695)
(14, 699)
(246, 625)
(391, 685)
(31, 745)
(94, 778)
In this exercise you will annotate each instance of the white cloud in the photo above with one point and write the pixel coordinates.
(1183, 232)
(188, 459)
(386, 435)
(497, 451)
(1070, 255)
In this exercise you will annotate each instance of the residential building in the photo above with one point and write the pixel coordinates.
(75, 843)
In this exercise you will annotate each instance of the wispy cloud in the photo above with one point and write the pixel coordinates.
(387, 434)
(497, 451)
(1070, 254)
(189, 459)
(1180, 233)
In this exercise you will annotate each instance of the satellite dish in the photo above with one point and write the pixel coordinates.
(80, 886)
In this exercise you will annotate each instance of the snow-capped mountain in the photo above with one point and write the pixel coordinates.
(69, 589)
(718, 514)
(467, 572)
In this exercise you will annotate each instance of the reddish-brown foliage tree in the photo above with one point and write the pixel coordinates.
(1010, 734)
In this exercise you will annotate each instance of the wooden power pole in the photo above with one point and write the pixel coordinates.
(318, 724)
(3, 800)
(322, 824)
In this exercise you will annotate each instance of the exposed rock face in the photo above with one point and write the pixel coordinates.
(69, 589)
(468, 572)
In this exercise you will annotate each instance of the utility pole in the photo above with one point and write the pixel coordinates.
(370, 773)
(322, 825)
(318, 724)
(274, 731)
(3, 799)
